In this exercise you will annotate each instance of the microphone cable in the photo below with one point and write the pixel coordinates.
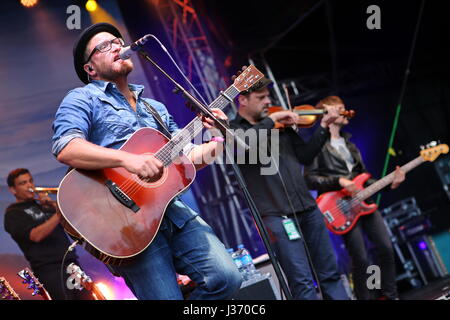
(178, 68)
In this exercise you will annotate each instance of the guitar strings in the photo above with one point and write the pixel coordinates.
(166, 156)
(161, 155)
(356, 198)
(130, 186)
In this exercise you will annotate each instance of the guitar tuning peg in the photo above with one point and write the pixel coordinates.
(422, 147)
(432, 144)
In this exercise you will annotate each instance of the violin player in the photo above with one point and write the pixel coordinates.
(289, 212)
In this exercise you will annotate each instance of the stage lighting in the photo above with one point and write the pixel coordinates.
(105, 290)
(423, 245)
(28, 3)
(91, 5)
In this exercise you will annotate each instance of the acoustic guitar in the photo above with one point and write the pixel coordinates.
(116, 214)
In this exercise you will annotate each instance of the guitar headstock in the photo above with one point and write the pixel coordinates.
(247, 78)
(33, 283)
(433, 150)
(78, 279)
(6, 291)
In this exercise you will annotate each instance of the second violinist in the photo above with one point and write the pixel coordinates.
(283, 199)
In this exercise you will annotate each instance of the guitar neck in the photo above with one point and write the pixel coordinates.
(172, 149)
(385, 181)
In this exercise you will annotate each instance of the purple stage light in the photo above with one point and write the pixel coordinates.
(423, 245)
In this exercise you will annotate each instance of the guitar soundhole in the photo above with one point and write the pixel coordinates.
(152, 183)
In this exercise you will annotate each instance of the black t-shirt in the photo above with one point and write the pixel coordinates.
(21, 218)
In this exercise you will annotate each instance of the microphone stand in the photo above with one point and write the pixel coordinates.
(261, 229)
(223, 126)
(225, 129)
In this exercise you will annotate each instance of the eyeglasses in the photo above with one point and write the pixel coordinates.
(105, 46)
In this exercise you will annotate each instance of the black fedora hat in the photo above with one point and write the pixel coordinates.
(82, 41)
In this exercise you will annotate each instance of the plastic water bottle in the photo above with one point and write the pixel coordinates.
(248, 269)
(236, 259)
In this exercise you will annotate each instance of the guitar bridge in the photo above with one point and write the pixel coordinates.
(121, 196)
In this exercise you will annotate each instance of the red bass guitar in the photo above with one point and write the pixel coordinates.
(114, 213)
(341, 211)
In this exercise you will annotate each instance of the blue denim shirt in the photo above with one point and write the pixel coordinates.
(99, 113)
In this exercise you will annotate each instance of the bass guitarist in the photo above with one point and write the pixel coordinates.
(333, 169)
(92, 123)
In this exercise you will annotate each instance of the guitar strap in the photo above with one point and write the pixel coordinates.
(158, 118)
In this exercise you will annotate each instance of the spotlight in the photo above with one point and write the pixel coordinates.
(28, 3)
(423, 245)
(105, 290)
(91, 5)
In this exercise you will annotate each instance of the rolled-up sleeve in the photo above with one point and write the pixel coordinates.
(72, 120)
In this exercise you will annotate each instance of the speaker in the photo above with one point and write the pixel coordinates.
(442, 166)
(260, 288)
(441, 243)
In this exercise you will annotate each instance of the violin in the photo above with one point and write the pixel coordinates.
(308, 115)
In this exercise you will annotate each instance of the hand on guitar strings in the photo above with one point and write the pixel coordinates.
(348, 185)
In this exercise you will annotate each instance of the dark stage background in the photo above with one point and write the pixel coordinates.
(323, 47)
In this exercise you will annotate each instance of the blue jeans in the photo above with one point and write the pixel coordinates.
(294, 261)
(195, 251)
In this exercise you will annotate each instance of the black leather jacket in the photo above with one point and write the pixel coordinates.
(324, 172)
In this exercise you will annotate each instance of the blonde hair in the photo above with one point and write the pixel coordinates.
(333, 100)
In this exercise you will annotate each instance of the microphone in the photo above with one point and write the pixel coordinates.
(126, 52)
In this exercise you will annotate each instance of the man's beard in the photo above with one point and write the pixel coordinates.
(113, 74)
(264, 113)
